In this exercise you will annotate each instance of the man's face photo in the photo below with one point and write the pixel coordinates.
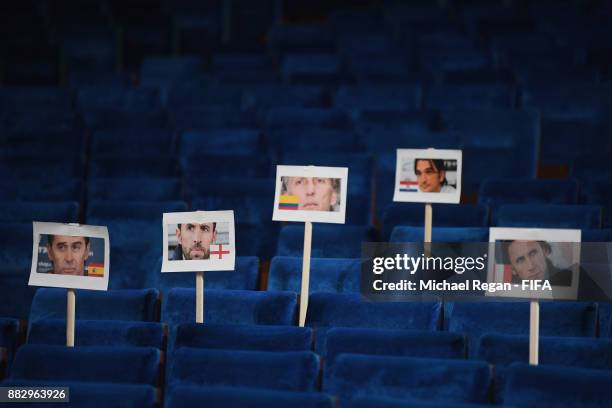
(68, 254)
(528, 260)
(314, 193)
(196, 239)
(429, 177)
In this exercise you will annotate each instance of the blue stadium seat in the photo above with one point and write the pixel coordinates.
(327, 310)
(230, 307)
(388, 342)
(135, 189)
(101, 212)
(302, 38)
(496, 142)
(220, 397)
(564, 141)
(503, 350)
(210, 117)
(219, 170)
(324, 140)
(476, 319)
(325, 69)
(244, 277)
(133, 142)
(22, 98)
(355, 99)
(253, 240)
(128, 304)
(495, 191)
(548, 216)
(444, 96)
(326, 274)
(29, 167)
(605, 319)
(374, 402)
(91, 394)
(208, 95)
(288, 371)
(443, 380)
(256, 210)
(328, 241)
(243, 337)
(151, 166)
(115, 333)
(529, 386)
(26, 212)
(569, 101)
(440, 234)
(9, 337)
(117, 365)
(16, 241)
(600, 192)
(220, 141)
(262, 97)
(305, 118)
(591, 166)
(174, 67)
(68, 142)
(41, 190)
(443, 215)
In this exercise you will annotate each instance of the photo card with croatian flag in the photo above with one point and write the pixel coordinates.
(71, 256)
(310, 193)
(428, 176)
(198, 241)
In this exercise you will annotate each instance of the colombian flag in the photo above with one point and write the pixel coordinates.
(288, 202)
(95, 269)
(408, 186)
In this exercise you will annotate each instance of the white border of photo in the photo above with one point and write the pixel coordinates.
(336, 217)
(495, 272)
(69, 281)
(420, 197)
(199, 217)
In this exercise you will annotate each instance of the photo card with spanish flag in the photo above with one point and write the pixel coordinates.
(310, 193)
(428, 176)
(198, 241)
(70, 256)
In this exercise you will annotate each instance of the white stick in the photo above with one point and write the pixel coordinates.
(534, 331)
(199, 297)
(305, 272)
(70, 316)
(427, 230)
(428, 221)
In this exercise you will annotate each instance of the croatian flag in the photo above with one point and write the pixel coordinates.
(408, 186)
(288, 202)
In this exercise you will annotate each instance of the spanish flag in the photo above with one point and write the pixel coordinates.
(95, 269)
(288, 202)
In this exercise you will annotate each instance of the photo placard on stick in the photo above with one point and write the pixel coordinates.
(526, 257)
(428, 176)
(309, 193)
(70, 256)
(198, 241)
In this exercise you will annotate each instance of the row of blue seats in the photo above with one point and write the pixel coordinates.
(199, 376)
(121, 214)
(203, 356)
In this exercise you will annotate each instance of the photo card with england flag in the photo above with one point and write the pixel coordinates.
(310, 193)
(428, 176)
(198, 241)
(71, 256)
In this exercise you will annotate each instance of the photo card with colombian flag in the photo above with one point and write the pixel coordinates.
(198, 241)
(428, 176)
(70, 256)
(526, 257)
(310, 193)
